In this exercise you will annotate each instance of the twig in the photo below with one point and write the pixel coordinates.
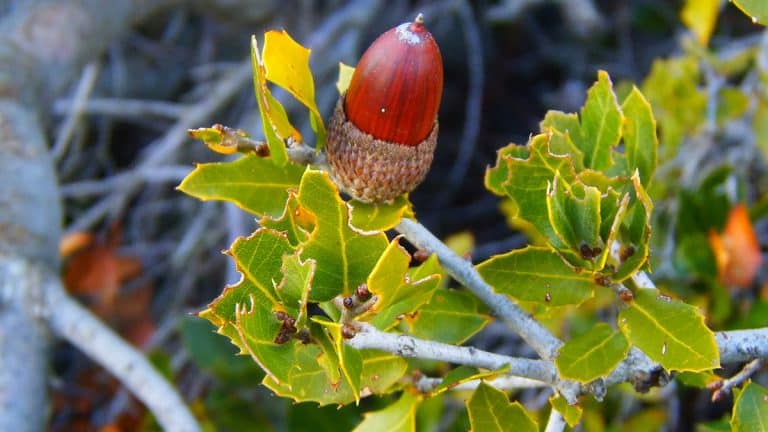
(506, 382)
(368, 337)
(742, 345)
(538, 337)
(640, 278)
(121, 108)
(71, 321)
(725, 386)
(556, 422)
(67, 129)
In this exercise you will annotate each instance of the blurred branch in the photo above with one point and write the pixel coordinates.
(725, 386)
(506, 382)
(556, 422)
(122, 108)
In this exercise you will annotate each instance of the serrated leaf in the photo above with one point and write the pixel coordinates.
(295, 286)
(286, 63)
(592, 355)
(574, 213)
(525, 181)
(309, 381)
(274, 120)
(571, 413)
(750, 409)
(670, 332)
(398, 291)
(459, 376)
(640, 141)
(490, 411)
(566, 132)
(253, 183)
(638, 224)
(538, 275)
(600, 124)
(345, 77)
(701, 16)
(371, 218)
(397, 417)
(350, 361)
(294, 222)
(257, 326)
(219, 139)
(259, 259)
(757, 10)
(451, 316)
(344, 257)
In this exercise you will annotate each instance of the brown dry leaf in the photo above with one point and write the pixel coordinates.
(74, 242)
(736, 250)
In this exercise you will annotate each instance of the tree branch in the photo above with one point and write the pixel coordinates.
(556, 422)
(506, 382)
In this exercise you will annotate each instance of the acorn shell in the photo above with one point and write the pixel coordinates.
(373, 170)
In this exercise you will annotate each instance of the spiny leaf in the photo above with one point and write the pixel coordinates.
(566, 132)
(255, 184)
(670, 332)
(571, 413)
(295, 287)
(461, 375)
(294, 222)
(539, 275)
(592, 355)
(600, 124)
(451, 316)
(750, 409)
(397, 417)
(368, 218)
(757, 10)
(640, 142)
(638, 231)
(574, 213)
(286, 64)
(344, 257)
(490, 411)
(350, 361)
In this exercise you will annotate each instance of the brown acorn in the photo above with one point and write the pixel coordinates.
(383, 133)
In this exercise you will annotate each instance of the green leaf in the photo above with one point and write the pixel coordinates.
(526, 180)
(670, 332)
(274, 120)
(574, 213)
(571, 413)
(490, 410)
(350, 361)
(640, 141)
(253, 183)
(538, 275)
(294, 221)
(286, 63)
(750, 409)
(398, 291)
(295, 286)
(451, 316)
(592, 355)
(757, 10)
(397, 417)
(600, 124)
(701, 16)
(566, 131)
(461, 375)
(370, 218)
(638, 232)
(344, 257)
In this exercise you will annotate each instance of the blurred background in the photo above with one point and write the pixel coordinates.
(146, 257)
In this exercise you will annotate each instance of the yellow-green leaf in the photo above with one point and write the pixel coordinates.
(592, 355)
(538, 275)
(640, 141)
(345, 77)
(757, 10)
(397, 417)
(490, 411)
(350, 361)
(255, 184)
(344, 257)
(461, 375)
(750, 409)
(670, 332)
(286, 64)
(600, 124)
(295, 286)
(571, 413)
(369, 218)
(451, 316)
(574, 213)
(294, 221)
(701, 16)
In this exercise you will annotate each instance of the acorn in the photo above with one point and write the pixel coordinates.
(383, 132)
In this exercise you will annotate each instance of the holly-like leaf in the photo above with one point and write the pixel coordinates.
(461, 375)
(757, 10)
(345, 77)
(490, 411)
(344, 257)
(294, 289)
(750, 409)
(399, 290)
(600, 124)
(255, 184)
(701, 16)
(592, 355)
(566, 132)
(368, 218)
(571, 413)
(538, 275)
(451, 316)
(274, 120)
(574, 213)
(350, 361)
(397, 417)
(294, 222)
(524, 175)
(670, 332)
(286, 63)
(639, 130)
(638, 232)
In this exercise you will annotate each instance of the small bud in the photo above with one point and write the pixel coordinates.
(348, 302)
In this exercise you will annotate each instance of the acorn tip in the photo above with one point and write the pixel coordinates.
(419, 19)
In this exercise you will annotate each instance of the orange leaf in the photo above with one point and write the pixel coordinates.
(736, 250)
